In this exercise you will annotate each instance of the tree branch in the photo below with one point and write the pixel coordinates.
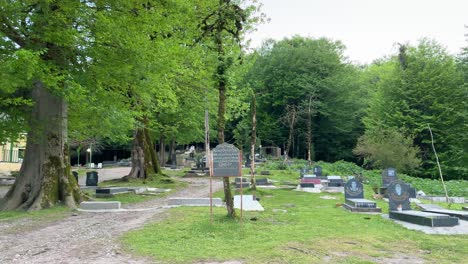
(10, 32)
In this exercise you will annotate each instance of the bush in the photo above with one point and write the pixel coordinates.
(388, 147)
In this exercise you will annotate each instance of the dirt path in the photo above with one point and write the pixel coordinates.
(86, 237)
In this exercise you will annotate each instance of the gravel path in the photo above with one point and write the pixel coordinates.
(86, 237)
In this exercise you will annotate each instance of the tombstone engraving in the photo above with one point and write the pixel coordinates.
(318, 171)
(354, 198)
(354, 190)
(226, 161)
(398, 196)
(400, 208)
(91, 178)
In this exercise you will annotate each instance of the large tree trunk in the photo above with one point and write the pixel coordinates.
(144, 160)
(45, 177)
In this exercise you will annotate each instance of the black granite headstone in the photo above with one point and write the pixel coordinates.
(226, 161)
(318, 171)
(91, 178)
(304, 171)
(262, 181)
(335, 181)
(412, 192)
(75, 174)
(389, 175)
(353, 189)
(237, 180)
(398, 196)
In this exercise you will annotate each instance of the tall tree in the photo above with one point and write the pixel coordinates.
(425, 87)
(44, 37)
(308, 74)
(224, 27)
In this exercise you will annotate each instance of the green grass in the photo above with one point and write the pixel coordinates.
(311, 231)
(53, 213)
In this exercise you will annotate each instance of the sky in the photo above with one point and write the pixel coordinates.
(369, 29)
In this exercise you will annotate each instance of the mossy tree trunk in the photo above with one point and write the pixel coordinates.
(45, 177)
(145, 163)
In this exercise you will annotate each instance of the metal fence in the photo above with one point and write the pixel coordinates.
(8, 155)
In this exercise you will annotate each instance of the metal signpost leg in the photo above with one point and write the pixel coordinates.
(210, 157)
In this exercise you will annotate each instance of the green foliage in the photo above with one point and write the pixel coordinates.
(302, 73)
(387, 147)
(424, 87)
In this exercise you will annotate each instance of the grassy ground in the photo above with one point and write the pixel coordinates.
(296, 227)
(56, 211)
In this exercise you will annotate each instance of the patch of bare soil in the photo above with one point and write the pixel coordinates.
(87, 237)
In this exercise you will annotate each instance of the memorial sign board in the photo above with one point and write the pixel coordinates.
(226, 161)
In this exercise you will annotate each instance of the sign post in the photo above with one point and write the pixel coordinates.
(226, 162)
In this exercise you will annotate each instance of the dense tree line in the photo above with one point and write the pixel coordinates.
(78, 72)
(387, 105)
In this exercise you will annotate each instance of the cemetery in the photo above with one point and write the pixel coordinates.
(233, 132)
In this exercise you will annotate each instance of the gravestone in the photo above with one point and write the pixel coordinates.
(226, 161)
(75, 174)
(262, 181)
(389, 175)
(248, 162)
(400, 208)
(304, 171)
(318, 171)
(245, 183)
(110, 191)
(354, 198)
(173, 161)
(91, 178)
(309, 181)
(335, 181)
(412, 192)
(398, 196)
(353, 190)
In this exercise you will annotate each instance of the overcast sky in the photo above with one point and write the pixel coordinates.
(368, 28)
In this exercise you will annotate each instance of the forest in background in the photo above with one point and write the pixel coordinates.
(75, 73)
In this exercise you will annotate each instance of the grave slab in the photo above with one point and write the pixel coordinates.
(433, 208)
(194, 201)
(460, 229)
(110, 205)
(361, 205)
(248, 203)
(424, 218)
